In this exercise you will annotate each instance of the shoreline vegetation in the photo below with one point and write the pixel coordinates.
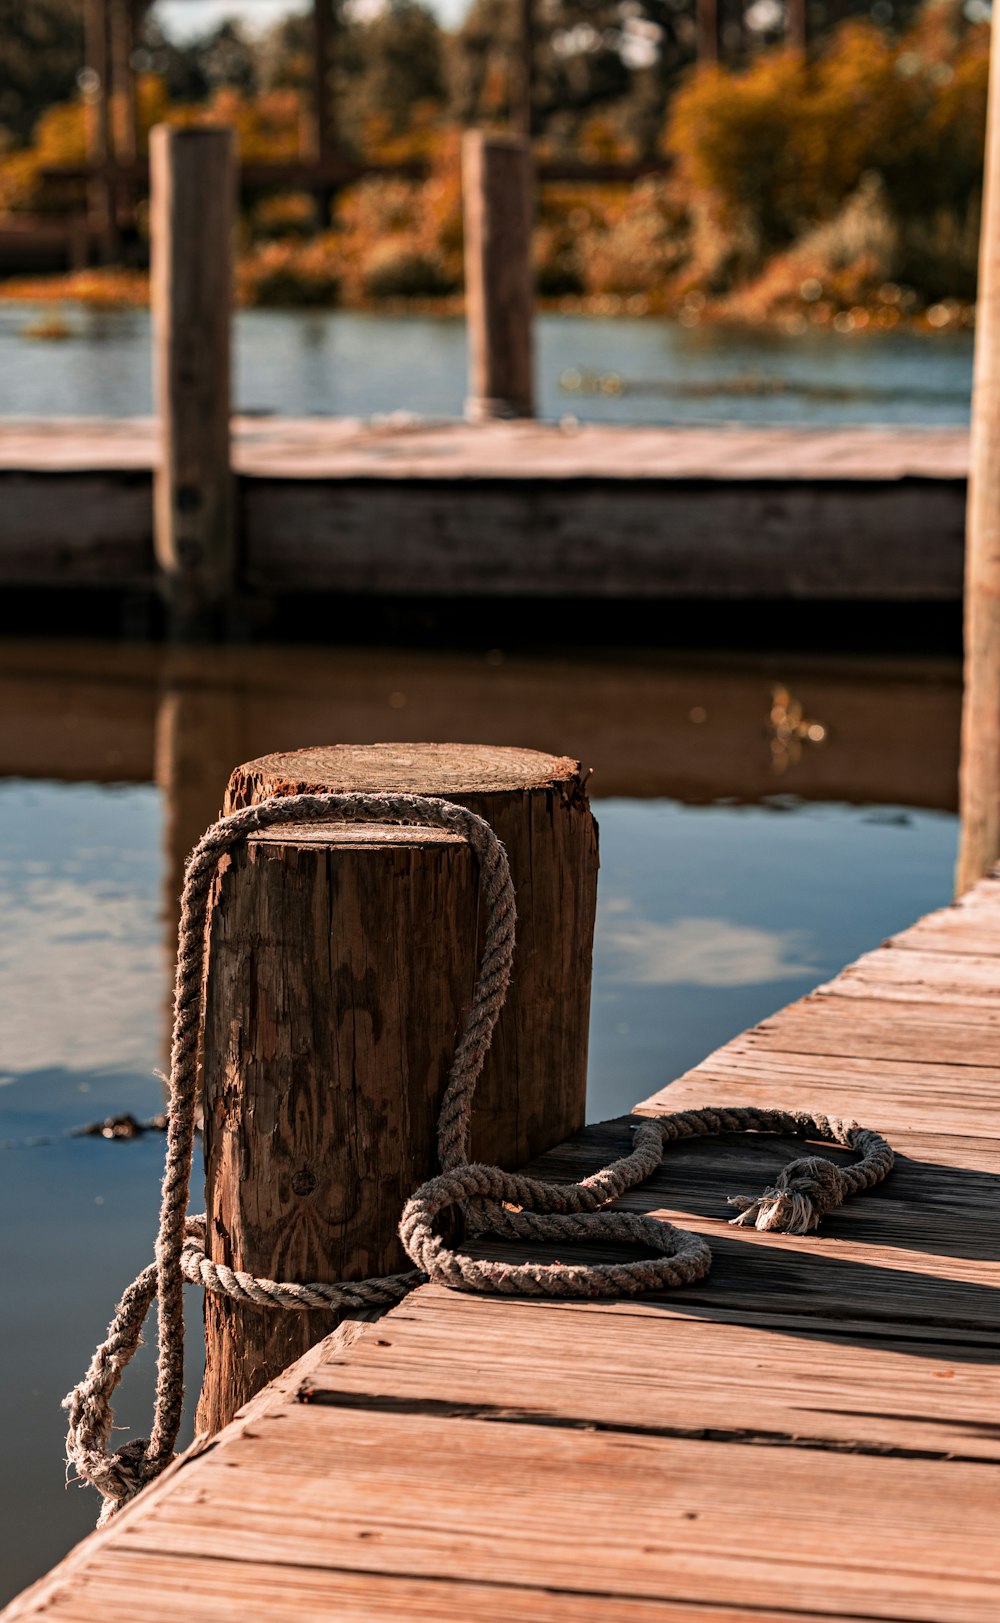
(116, 289)
(839, 192)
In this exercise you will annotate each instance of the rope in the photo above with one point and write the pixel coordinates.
(492, 1201)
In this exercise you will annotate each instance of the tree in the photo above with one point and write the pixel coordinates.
(391, 64)
(41, 53)
(193, 71)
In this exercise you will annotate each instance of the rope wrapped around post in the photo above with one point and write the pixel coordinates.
(493, 1201)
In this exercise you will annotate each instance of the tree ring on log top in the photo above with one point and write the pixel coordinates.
(423, 769)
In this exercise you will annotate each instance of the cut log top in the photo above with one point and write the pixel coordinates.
(426, 769)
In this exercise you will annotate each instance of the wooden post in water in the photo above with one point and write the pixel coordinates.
(341, 961)
(193, 183)
(498, 204)
(979, 782)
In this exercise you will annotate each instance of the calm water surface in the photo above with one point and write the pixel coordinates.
(615, 369)
(736, 873)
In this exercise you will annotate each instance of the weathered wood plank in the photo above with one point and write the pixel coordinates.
(348, 447)
(543, 1505)
(209, 1590)
(438, 1355)
(591, 537)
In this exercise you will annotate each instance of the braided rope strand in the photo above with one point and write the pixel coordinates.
(511, 1205)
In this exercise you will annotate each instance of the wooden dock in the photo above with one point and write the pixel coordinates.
(809, 1433)
(508, 510)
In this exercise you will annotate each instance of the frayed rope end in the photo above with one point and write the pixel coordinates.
(802, 1193)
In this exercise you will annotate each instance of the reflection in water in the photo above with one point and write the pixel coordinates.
(727, 887)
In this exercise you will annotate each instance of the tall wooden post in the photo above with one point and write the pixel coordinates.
(979, 781)
(100, 191)
(192, 176)
(340, 963)
(498, 203)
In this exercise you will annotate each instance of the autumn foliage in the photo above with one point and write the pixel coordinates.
(793, 190)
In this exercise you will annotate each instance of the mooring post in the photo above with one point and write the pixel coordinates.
(979, 794)
(193, 184)
(342, 959)
(498, 209)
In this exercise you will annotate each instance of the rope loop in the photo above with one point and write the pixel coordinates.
(509, 1205)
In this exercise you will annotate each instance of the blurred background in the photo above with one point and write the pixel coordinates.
(799, 174)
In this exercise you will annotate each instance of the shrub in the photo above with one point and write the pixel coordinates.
(398, 269)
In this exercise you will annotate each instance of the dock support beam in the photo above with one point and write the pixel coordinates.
(193, 181)
(340, 963)
(979, 793)
(498, 202)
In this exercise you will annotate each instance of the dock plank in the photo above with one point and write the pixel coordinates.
(808, 1433)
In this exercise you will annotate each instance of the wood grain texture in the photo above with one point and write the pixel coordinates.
(592, 538)
(532, 1092)
(809, 1433)
(340, 963)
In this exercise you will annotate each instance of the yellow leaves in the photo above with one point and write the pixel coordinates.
(785, 143)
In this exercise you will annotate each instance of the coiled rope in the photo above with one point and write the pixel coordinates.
(492, 1201)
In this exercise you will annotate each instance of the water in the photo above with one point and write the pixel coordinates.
(737, 872)
(296, 363)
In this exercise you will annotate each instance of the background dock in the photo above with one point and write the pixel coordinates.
(510, 509)
(808, 1433)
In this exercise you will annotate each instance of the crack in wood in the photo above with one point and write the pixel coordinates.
(759, 1437)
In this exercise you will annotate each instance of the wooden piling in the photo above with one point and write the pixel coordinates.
(979, 778)
(193, 204)
(341, 961)
(498, 204)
